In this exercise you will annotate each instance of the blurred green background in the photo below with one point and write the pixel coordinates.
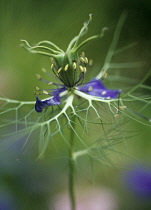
(25, 183)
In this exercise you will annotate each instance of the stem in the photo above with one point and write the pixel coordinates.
(71, 170)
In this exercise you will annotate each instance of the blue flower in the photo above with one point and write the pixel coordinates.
(138, 181)
(70, 68)
(94, 88)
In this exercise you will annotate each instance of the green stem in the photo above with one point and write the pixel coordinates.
(71, 170)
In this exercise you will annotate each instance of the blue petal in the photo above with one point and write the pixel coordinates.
(96, 88)
(55, 100)
(139, 181)
(59, 90)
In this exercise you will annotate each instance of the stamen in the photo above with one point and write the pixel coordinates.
(81, 68)
(82, 54)
(86, 60)
(37, 88)
(43, 70)
(50, 83)
(66, 67)
(104, 75)
(108, 97)
(90, 88)
(59, 70)
(45, 92)
(103, 93)
(84, 69)
(82, 60)
(52, 66)
(74, 65)
(90, 62)
(38, 76)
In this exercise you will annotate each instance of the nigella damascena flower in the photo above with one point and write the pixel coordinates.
(93, 88)
(70, 69)
(138, 180)
(72, 101)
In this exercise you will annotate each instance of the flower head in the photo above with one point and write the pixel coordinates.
(70, 69)
(71, 101)
(138, 181)
(93, 88)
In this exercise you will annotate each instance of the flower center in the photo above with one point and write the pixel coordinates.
(71, 70)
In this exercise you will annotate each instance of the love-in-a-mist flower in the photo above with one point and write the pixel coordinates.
(138, 181)
(70, 68)
(72, 101)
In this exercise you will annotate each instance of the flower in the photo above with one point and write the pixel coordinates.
(138, 181)
(70, 69)
(93, 88)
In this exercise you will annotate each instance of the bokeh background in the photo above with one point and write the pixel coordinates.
(29, 184)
